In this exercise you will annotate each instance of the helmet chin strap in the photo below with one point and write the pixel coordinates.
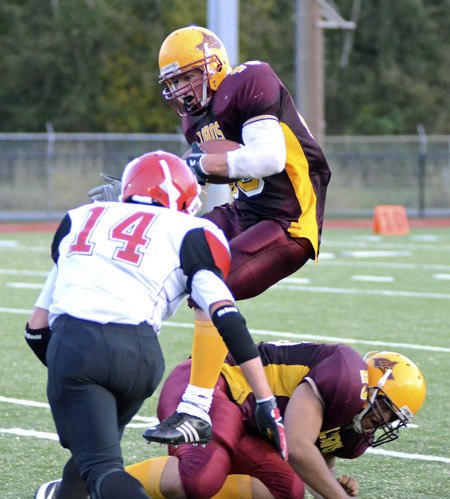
(205, 94)
(358, 419)
(383, 378)
(192, 104)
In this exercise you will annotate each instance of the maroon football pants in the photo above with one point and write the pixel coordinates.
(261, 254)
(233, 449)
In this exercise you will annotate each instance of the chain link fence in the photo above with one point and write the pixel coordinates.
(44, 175)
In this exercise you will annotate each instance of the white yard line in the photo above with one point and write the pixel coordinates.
(404, 455)
(387, 265)
(24, 272)
(148, 421)
(334, 339)
(24, 285)
(327, 243)
(372, 278)
(30, 433)
(44, 405)
(354, 341)
(352, 291)
(375, 253)
(28, 249)
(287, 334)
(14, 311)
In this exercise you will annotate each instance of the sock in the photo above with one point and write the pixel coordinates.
(149, 474)
(72, 485)
(236, 487)
(208, 354)
(196, 401)
(120, 484)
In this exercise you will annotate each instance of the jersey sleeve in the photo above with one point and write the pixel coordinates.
(45, 296)
(61, 232)
(204, 248)
(340, 382)
(257, 93)
(208, 288)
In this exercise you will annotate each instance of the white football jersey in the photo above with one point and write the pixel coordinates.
(130, 263)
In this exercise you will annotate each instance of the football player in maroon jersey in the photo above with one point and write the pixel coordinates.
(279, 176)
(335, 404)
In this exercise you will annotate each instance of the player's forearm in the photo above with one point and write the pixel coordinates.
(215, 164)
(254, 372)
(309, 464)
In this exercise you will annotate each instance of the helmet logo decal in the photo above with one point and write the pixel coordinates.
(210, 41)
(385, 364)
(168, 186)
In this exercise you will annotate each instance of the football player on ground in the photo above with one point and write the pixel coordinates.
(122, 269)
(280, 180)
(335, 405)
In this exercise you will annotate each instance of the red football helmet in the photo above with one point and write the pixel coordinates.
(161, 178)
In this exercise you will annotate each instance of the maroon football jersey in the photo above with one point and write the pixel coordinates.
(338, 374)
(295, 197)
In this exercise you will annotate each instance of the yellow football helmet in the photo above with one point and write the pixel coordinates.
(396, 392)
(185, 50)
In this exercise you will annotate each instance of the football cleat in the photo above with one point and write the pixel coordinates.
(180, 428)
(48, 490)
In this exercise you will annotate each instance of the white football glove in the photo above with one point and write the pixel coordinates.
(106, 192)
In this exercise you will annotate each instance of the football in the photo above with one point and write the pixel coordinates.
(216, 147)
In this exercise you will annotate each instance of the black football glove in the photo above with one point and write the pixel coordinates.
(195, 164)
(270, 425)
(107, 192)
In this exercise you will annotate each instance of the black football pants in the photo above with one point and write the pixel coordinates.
(98, 378)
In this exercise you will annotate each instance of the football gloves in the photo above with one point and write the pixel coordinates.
(270, 424)
(194, 161)
(107, 192)
(38, 340)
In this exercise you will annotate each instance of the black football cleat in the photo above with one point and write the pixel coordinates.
(180, 428)
(48, 490)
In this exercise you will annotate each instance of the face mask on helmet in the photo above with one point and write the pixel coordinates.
(161, 178)
(188, 92)
(396, 392)
(185, 50)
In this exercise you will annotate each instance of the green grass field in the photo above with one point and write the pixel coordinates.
(369, 291)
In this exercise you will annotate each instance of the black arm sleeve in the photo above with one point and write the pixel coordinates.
(233, 329)
(37, 340)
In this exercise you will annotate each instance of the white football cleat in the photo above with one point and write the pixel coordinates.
(48, 490)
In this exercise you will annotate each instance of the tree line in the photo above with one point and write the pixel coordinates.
(92, 65)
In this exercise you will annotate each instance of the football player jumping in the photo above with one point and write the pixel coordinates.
(122, 269)
(280, 180)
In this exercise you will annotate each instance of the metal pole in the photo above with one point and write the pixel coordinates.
(223, 20)
(309, 66)
(50, 165)
(422, 165)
